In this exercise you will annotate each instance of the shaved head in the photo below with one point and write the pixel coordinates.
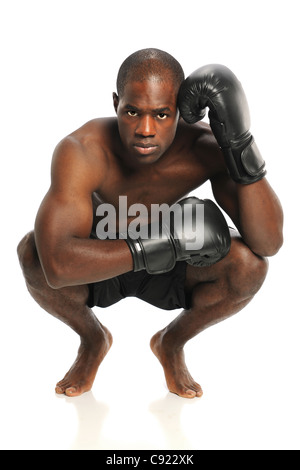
(149, 64)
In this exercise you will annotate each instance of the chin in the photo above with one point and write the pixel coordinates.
(147, 160)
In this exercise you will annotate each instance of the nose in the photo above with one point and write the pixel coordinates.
(146, 126)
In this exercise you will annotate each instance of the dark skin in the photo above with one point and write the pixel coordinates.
(147, 154)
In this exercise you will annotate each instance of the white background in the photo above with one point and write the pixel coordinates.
(59, 61)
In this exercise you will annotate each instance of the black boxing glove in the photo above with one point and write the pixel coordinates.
(195, 232)
(216, 87)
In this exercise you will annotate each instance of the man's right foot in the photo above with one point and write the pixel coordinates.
(81, 376)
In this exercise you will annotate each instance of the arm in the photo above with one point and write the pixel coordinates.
(255, 211)
(245, 195)
(64, 222)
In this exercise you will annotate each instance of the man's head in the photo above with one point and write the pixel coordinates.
(146, 105)
(146, 63)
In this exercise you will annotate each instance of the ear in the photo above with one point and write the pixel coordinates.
(116, 101)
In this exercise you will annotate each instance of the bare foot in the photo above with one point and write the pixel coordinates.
(178, 378)
(81, 376)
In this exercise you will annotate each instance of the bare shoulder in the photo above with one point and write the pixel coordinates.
(83, 155)
(96, 134)
(199, 141)
(197, 137)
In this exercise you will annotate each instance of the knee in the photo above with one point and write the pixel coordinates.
(27, 253)
(248, 272)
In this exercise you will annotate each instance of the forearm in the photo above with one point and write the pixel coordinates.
(260, 217)
(84, 261)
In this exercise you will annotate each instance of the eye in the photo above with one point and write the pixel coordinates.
(132, 113)
(162, 116)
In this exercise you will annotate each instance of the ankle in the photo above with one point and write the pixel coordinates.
(94, 339)
(169, 342)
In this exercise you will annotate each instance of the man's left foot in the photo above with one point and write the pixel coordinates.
(178, 378)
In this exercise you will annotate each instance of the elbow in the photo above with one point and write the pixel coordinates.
(54, 275)
(53, 263)
(275, 244)
(271, 248)
(54, 281)
(277, 247)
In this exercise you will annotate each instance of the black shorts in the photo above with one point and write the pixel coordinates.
(164, 291)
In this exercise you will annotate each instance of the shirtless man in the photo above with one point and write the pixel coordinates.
(151, 155)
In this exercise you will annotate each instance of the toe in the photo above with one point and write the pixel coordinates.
(72, 392)
(189, 393)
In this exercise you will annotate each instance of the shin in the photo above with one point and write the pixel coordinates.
(68, 305)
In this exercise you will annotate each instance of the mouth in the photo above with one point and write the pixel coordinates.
(145, 149)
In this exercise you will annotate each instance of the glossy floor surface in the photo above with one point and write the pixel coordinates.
(247, 366)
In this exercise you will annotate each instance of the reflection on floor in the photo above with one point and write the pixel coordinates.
(251, 387)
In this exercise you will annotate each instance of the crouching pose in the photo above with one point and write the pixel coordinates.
(154, 152)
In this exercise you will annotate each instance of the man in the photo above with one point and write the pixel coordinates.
(152, 156)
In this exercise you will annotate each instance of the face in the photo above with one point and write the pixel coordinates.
(147, 119)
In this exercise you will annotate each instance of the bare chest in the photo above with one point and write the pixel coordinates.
(132, 193)
(151, 186)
